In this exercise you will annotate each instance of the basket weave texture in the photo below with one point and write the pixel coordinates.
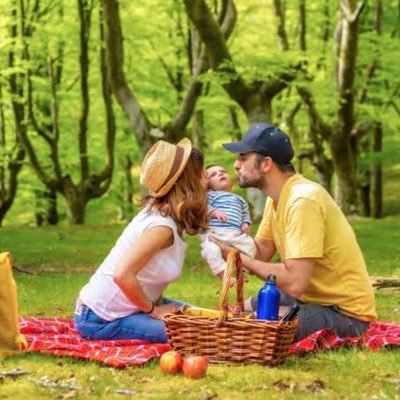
(235, 339)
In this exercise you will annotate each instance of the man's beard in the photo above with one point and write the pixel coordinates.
(247, 182)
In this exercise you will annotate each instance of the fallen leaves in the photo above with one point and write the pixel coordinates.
(69, 384)
(317, 386)
(14, 373)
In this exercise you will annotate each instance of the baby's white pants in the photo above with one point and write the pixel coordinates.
(212, 253)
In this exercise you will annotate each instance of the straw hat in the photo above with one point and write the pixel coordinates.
(163, 164)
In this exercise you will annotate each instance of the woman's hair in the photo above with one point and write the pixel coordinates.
(187, 201)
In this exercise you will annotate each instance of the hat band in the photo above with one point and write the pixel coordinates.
(175, 166)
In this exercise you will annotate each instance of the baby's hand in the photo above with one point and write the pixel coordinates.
(246, 228)
(219, 215)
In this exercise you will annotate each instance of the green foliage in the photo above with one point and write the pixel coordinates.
(155, 45)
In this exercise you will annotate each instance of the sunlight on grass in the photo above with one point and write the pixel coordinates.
(330, 375)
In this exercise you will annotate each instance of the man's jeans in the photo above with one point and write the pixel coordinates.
(135, 326)
(313, 317)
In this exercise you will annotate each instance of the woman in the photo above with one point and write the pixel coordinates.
(123, 299)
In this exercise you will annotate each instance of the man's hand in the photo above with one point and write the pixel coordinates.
(225, 249)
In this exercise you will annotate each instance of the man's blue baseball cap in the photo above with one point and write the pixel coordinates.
(267, 140)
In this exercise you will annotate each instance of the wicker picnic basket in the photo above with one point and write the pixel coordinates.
(231, 338)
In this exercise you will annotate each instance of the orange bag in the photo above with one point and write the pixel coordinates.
(11, 341)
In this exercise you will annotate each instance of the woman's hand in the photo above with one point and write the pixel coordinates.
(160, 311)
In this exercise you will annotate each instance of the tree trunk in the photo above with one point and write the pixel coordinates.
(126, 190)
(46, 207)
(365, 172)
(51, 209)
(280, 26)
(11, 162)
(257, 200)
(198, 129)
(324, 176)
(343, 145)
(76, 205)
(376, 173)
(364, 204)
(303, 25)
(236, 133)
(9, 181)
(345, 191)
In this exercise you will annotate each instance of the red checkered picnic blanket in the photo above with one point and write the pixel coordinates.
(379, 334)
(58, 336)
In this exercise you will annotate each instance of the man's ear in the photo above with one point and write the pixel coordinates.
(267, 164)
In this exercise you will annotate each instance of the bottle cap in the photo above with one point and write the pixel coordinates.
(271, 278)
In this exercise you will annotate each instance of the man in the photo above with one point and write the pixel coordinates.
(321, 263)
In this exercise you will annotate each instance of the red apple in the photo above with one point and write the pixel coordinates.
(195, 367)
(171, 362)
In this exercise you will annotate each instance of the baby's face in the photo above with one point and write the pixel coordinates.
(218, 179)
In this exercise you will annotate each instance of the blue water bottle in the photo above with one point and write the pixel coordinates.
(268, 300)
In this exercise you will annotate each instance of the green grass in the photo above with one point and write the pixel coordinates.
(62, 260)
(350, 374)
(55, 248)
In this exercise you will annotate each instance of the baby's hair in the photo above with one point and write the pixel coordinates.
(210, 166)
(207, 167)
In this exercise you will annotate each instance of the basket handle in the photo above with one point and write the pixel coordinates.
(232, 260)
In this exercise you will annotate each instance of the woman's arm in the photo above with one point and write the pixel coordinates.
(137, 256)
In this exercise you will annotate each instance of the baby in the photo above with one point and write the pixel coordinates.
(229, 221)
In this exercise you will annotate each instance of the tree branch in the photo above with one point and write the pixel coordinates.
(352, 17)
(281, 30)
(227, 17)
(104, 177)
(115, 60)
(315, 119)
(84, 34)
(55, 121)
(41, 132)
(19, 111)
(217, 50)
(374, 64)
(395, 107)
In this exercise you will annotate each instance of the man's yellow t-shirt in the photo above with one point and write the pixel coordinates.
(307, 223)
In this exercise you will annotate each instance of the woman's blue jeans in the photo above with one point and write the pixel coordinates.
(135, 326)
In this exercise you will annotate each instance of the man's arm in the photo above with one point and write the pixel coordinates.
(292, 275)
(265, 249)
